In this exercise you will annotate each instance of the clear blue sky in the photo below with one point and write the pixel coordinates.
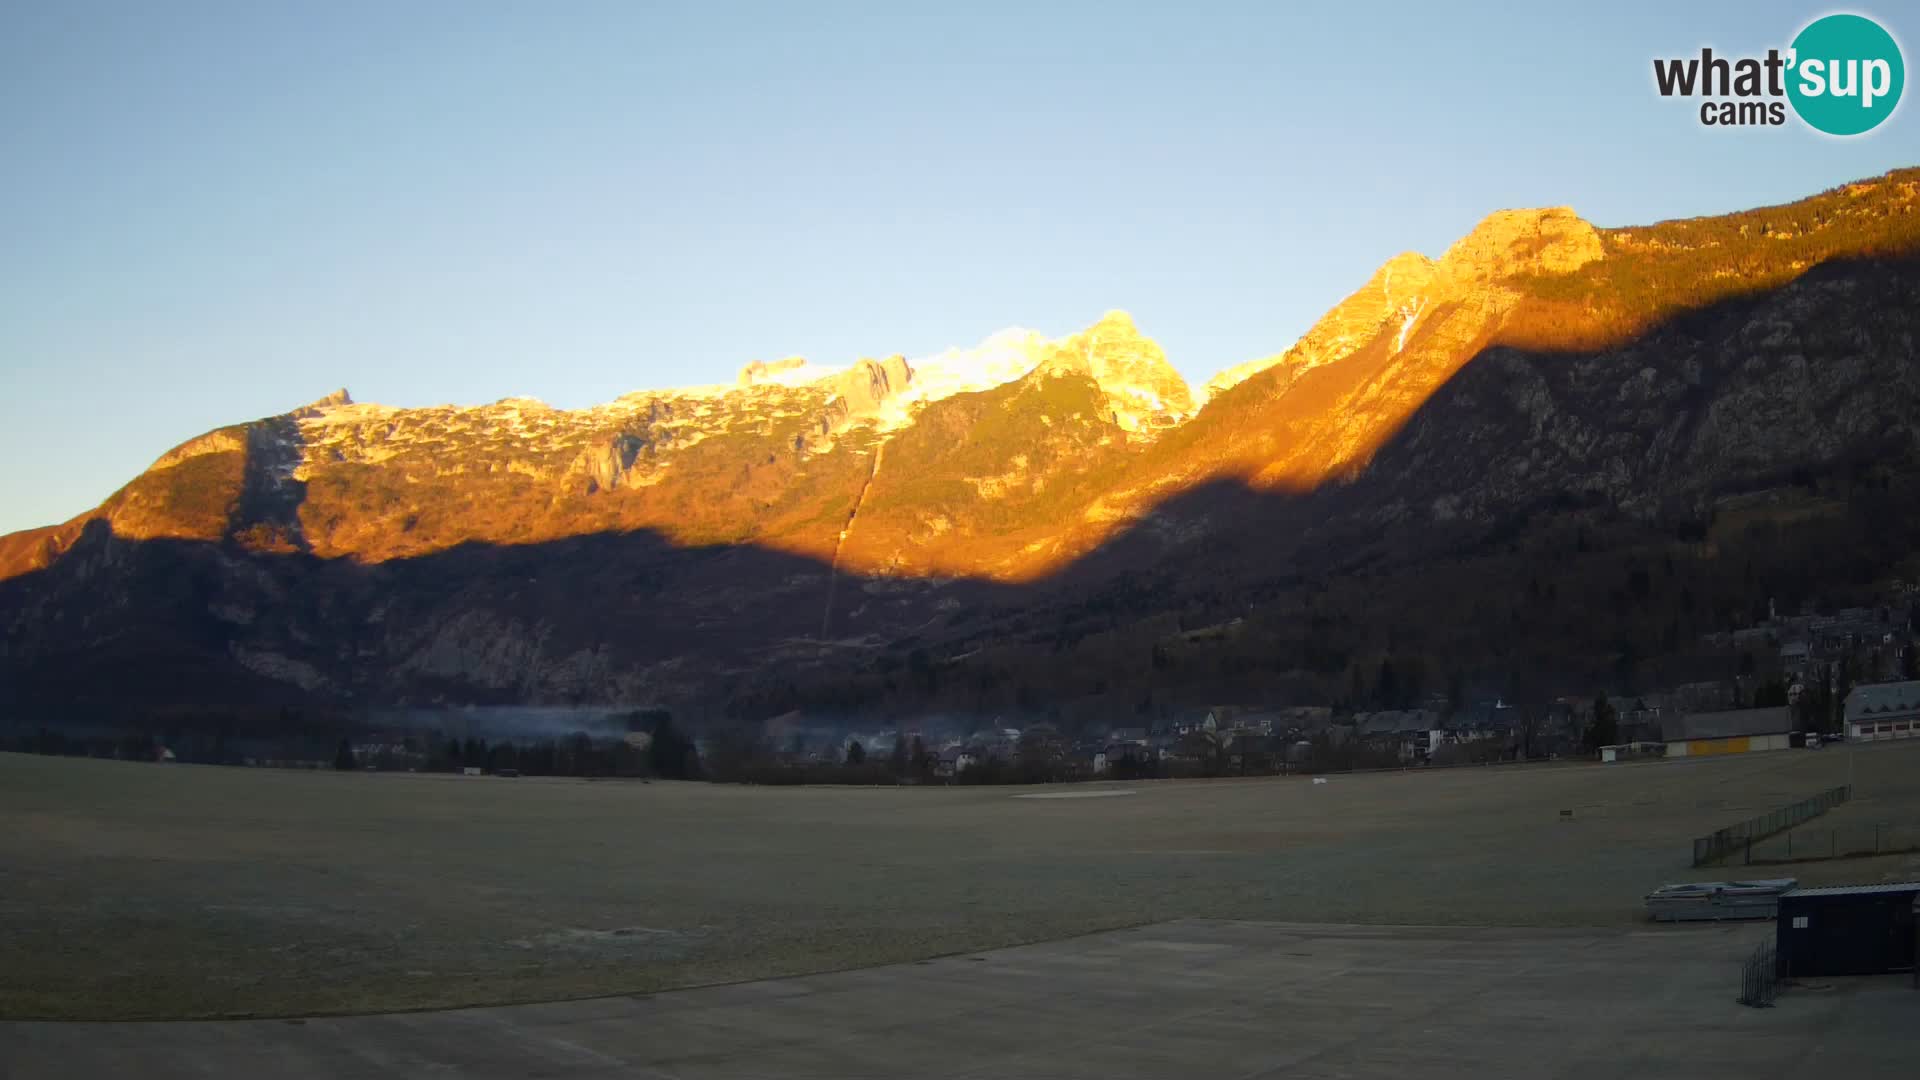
(213, 212)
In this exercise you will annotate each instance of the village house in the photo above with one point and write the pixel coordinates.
(1479, 731)
(1089, 756)
(1412, 733)
(1188, 723)
(1641, 719)
(1562, 727)
(1252, 752)
(1700, 697)
(997, 741)
(1795, 656)
(1240, 717)
(955, 760)
(1164, 746)
(1115, 754)
(1486, 718)
(1304, 718)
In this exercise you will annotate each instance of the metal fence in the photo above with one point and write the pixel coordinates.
(1760, 978)
(1841, 842)
(1711, 849)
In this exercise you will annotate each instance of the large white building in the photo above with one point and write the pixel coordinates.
(1883, 711)
(1733, 731)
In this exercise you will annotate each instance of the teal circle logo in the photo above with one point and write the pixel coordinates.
(1847, 74)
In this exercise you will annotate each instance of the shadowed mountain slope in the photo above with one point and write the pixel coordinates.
(793, 541)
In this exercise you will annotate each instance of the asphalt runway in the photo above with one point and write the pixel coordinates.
(1181, 999)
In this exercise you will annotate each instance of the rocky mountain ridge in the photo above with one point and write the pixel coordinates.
(679, 543)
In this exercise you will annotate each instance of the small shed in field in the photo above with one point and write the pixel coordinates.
(1847, 930)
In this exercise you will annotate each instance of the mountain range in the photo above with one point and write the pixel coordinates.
(1556, 452)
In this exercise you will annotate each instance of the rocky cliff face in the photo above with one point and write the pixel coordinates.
(868, 384)
(1144, 392)
(1441, 320)
(678, 542)
(1722, 401)
(779, 457)
(1409, 286)
(1396, 291)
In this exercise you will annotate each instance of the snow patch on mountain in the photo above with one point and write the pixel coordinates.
(1003, 357)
